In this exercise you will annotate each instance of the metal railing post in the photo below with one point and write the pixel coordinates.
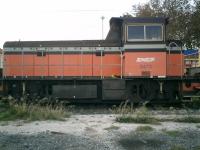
(101, 64)
(181, 62)
(81, 64)
(121, 65)
(22, 65)
(170, 48)
(62, 63)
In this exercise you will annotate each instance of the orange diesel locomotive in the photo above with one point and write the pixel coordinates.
(134, 62)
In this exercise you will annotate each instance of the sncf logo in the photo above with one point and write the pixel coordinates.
(147, 59)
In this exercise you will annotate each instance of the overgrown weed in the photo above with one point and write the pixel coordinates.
(123, 108)
(11, 110)
(128, 114)
(138, 115)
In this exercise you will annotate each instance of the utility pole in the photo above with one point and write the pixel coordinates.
(102, 18)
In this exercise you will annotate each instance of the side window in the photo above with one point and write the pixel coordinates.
(100, 52)
(41, 53)
(135, 32)
(153, 32)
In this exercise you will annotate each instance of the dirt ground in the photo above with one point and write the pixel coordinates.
(97, 132)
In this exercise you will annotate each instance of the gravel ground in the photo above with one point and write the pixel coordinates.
(48, 141)
(187, 139)
(96, 132)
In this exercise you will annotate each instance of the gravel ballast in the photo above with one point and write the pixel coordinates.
(48, 141)
(97, 132)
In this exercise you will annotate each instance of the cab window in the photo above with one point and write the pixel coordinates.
(136, 32)
(153, 32)
(144, 33)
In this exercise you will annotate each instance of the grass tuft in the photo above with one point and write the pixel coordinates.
(32, 112)
(144, 116)
(137, 119)
(188, 119)
(173, 133)
(197, 147)
(112, 128)
(123, 108)
(198, 126)
(177, 147)
(196, 102)
(144, 129)
(140, 115)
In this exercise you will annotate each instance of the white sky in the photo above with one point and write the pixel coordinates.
(58, 19)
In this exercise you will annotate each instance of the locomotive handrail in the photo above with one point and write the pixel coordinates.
(81, 64)
(22, 59)
(173, 43)
(121, 61)
(101, 64)
(170, 45)
(62, 64)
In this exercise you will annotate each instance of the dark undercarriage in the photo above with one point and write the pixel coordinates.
(136, 90)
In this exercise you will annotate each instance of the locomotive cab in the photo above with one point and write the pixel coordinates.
(144, 47)
(138, 31)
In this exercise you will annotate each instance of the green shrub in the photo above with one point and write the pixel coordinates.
(137, 119)
(187, 119)
(112, 128)
(196, 102)
(177, 147)
(144, 129)
(173, 133)
(198, 126)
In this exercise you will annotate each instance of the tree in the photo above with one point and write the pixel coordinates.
(179, 13)
(194, 32)
(144, 10)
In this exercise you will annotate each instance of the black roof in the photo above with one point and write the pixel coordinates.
(163, 20)
(77, 43)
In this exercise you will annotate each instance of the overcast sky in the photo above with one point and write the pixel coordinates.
(58, 19)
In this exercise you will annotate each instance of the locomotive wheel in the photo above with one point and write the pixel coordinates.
(142, 91)
(148, 90)
(171, 91)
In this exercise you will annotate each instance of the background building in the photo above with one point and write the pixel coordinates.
(192, 58)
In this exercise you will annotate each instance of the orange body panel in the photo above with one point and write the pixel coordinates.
(28, 68)
(86, 67)
(40, 66)
(175, 63)
(134, 64)
(145, 64)
(12, 65)
(77, 65)
(108, 66)
(55, 65)
(58, 65)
